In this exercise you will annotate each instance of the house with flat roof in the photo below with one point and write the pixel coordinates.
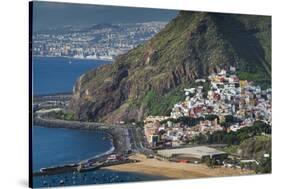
(197, 153)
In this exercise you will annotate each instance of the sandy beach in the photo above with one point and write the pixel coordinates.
(175, 170)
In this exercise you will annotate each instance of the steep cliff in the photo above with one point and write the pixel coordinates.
(150, 78)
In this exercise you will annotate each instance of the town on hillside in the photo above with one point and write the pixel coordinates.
(222, 103)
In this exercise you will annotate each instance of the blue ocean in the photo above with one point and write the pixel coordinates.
(58, 75)
(53, 146)
(60, 146)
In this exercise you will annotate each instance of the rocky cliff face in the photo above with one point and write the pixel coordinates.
(149, 79)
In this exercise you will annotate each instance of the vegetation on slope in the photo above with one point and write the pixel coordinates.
(149, 79)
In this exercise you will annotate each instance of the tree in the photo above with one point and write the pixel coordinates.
(200, 139)
(211, 117)
(211, 162)
(229, 118)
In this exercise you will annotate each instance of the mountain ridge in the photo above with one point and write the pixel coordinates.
(150, 78)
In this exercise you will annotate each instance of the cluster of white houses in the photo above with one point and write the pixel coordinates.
(226, 95)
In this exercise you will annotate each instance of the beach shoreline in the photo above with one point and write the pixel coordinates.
(147, 166)
(173, 170)
(150, 166)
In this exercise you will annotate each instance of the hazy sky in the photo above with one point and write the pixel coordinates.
(48, 14)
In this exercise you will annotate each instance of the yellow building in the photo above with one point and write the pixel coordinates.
(243, 83)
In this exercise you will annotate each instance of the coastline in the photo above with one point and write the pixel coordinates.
(147, 166)
(109, 136)
(116, 135)
(144, 165)
(74, 58)
(173, 170)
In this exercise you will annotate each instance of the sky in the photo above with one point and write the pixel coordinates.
(48, 15)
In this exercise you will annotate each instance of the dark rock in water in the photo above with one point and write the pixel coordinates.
(191, 46)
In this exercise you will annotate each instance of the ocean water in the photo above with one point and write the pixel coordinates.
(59, 146)
(54, 146)
(58, 75)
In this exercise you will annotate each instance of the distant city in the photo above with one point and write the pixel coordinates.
(100, 41)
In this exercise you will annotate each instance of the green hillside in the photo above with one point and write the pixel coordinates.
(149, 79)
